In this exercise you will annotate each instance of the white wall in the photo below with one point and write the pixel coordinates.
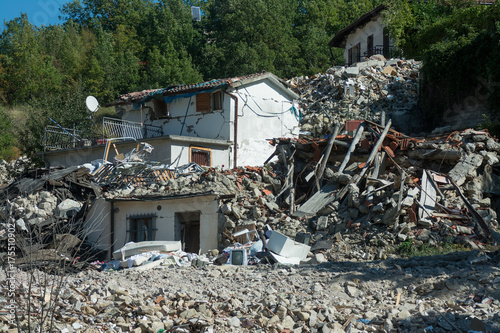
(165, 220)
(263, 96)
(210, 125)
(375, 28)
(264, 113)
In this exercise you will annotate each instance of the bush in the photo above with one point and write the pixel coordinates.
(7, 149)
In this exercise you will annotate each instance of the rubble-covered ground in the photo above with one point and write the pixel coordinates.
(458, 292)
(371, 90)
(364, 200)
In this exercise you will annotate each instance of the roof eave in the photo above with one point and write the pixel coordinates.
(339, 40)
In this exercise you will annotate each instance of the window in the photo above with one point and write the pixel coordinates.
(206, 102)
(369, 46)
(160, 108)
(141, 227)
(203, 102)
(386, 43)
(354, 54)
(217, 100)
(200, 156)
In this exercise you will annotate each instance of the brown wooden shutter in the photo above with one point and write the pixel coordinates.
(203, 102)
(200, 157)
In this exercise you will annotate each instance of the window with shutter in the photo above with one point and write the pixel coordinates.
(201, 156)
(203, 102)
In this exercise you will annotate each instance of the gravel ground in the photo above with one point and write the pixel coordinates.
(451, 293)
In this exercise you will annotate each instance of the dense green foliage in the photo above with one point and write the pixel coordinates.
(109, 47)
(459, 42)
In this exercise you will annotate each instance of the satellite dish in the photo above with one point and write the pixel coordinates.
(92, 104)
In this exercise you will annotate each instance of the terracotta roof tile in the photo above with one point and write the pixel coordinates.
(181, 89)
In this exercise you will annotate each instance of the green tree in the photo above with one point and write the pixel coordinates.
(247, 36)
(26, 69)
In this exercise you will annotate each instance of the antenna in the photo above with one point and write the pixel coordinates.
(92, 104)
(196, 13)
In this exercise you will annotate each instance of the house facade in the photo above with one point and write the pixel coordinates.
(191, 219)
(364, 37)
(221, 123)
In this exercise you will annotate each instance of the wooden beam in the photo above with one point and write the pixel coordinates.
(352, 147)
(374, 151)
(328, 150)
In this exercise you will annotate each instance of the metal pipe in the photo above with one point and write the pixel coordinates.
(235, 129)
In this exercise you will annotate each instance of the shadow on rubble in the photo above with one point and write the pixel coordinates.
(462, 283)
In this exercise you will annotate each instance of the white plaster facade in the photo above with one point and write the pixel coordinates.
(364, 37)
(265, 109)
(108, 222)
(360, 38)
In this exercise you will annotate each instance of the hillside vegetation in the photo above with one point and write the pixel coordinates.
(106, 48)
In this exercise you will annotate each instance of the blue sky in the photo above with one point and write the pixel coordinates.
(40, 12)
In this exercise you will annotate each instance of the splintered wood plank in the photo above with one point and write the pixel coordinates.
(427, 197)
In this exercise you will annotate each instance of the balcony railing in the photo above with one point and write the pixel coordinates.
(57, 137)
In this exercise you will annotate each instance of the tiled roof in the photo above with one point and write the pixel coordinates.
(134, 97)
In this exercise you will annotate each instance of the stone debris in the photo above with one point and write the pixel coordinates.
(370, 90)
(449, 293)
(347, 206)
(48, 208)
(13, 169)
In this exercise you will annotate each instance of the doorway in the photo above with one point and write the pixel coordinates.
(187, 225)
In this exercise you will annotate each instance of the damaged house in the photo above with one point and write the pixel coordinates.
(221, 123)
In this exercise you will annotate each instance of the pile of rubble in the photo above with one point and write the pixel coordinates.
(453, 293)
(13, 169)
(370, 90)
(355, 197)
(384, 188)
(48, 208)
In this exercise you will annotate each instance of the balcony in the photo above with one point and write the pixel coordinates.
(57, 137)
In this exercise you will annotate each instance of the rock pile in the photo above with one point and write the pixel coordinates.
(402, 200)
(452, 293)
(365, 90)
(13, 169)
(47, 208)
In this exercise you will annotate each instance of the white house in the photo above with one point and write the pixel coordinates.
(191, 219)
(246, 111)
(364, 37)
(220, 123)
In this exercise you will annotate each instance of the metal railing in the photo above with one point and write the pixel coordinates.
(386, 50)
(116, 128)
(57, 137)
(60, 138)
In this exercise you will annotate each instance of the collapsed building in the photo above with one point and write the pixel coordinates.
(356, 193)
(378, 188)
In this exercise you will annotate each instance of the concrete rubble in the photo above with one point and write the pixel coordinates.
(373, 89)
(458, 292)
(321, 228)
